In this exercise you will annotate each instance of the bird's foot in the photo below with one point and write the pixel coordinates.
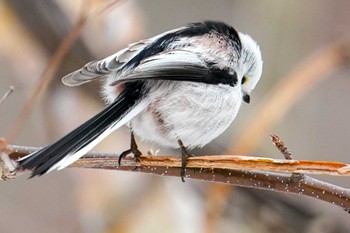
(184, 159)
(133, 150)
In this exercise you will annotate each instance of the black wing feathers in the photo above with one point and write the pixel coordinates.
(42, 160)
(187, 73)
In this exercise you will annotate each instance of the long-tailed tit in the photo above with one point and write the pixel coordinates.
(180, 89)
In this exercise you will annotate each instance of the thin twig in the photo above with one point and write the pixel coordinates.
(11, 89)
(281, 146)
(286, 153)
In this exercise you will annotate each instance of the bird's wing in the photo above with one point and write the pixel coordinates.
(99, 68)
(113, 63)
(178, 65)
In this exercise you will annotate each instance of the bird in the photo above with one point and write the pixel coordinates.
(180, 89)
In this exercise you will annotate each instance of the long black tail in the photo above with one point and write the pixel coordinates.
(75, 144)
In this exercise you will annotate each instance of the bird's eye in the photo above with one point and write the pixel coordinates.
(244, 80)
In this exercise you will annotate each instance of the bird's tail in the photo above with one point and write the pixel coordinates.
(71, 147)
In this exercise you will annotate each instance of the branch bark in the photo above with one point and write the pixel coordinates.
(251, 172)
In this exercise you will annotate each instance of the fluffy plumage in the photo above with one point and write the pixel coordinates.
(183, 84)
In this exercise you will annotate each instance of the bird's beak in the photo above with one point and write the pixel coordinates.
(246, 98)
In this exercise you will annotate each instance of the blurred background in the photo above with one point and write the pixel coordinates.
(87, 201)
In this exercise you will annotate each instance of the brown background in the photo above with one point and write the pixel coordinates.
(76, 200)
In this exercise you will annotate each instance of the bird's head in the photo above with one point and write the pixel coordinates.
(251, 65)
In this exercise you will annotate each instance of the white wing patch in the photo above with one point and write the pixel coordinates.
(169, 59)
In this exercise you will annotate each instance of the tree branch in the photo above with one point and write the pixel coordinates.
(252, 172)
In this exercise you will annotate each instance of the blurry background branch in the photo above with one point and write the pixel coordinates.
(2, 99)
(53, 36)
